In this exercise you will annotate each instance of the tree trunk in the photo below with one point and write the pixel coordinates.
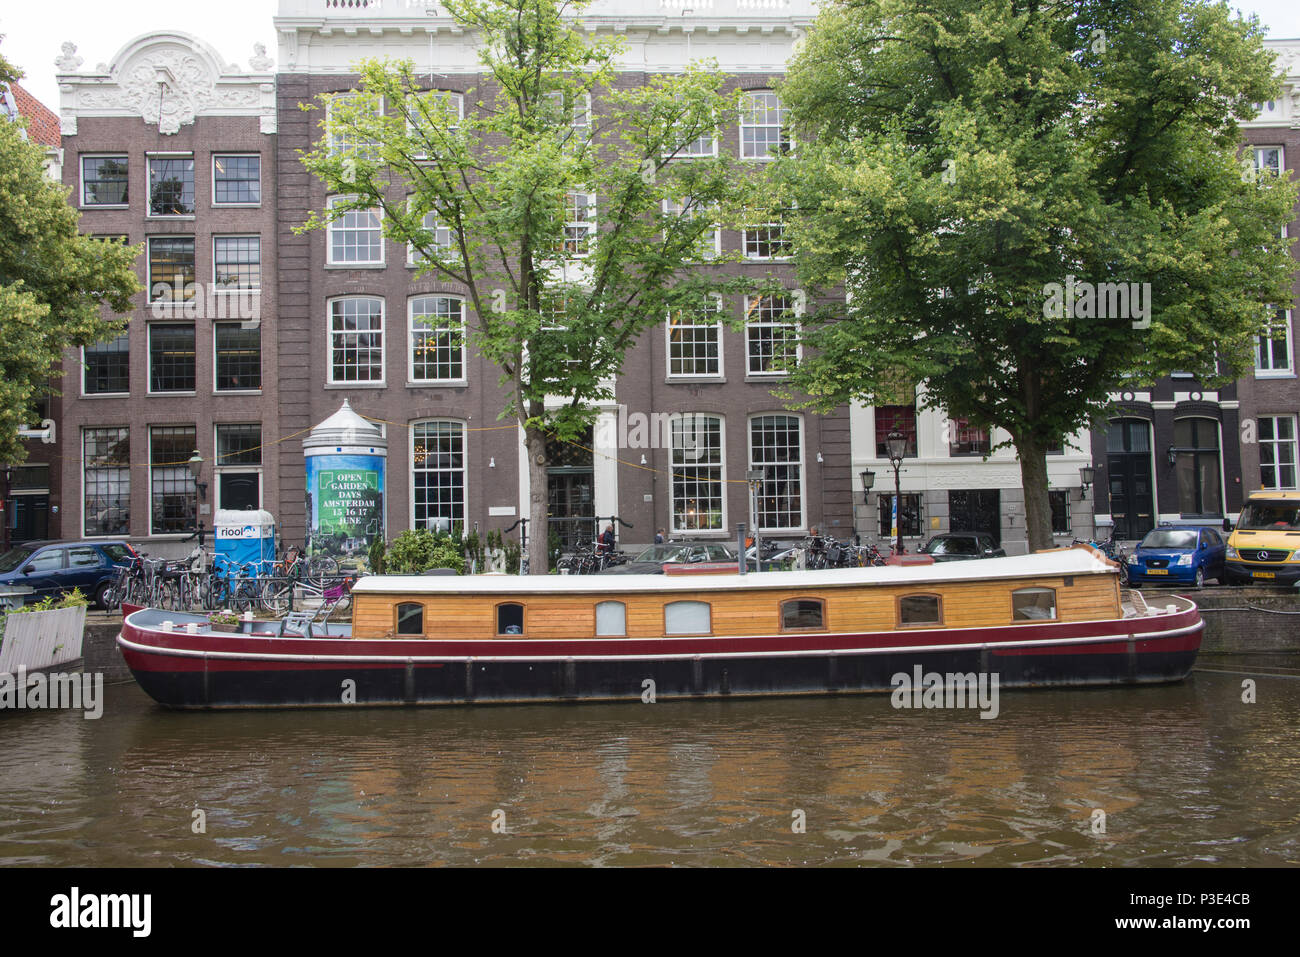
(1033, 481)
(538, 526)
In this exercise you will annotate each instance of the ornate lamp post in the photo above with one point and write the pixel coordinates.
(896, 448)
(200, 491)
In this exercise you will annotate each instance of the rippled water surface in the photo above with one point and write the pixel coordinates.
(1184, 774)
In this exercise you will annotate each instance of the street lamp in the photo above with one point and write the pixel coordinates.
(200, 491)
(1085, 480)
(896, 448)
(868, 480)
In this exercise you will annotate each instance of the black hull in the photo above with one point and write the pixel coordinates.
(577, 680)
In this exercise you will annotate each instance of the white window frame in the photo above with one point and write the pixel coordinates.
(747, 122)
(590, 225)
(794, 300)
(710, 242)
(434, 331)
(125, 158)
(465, 470)
(753, 229)
(1257, 152)
(716, 326)
(674, 465)
(802, 464)
(336, 227)
(366, 149)
(685, 153)
(219, 156)
(1273, 371)
(455, 97)
(331, 333)
(148, 182)
(430, 222)
(1293, 442)
(219, 470)
(236, 290)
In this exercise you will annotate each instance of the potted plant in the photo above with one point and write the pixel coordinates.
(225, 620)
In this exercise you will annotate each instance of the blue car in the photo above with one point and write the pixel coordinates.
(51, 568)
(1178, 556)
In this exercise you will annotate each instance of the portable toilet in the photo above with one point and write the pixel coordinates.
(244, 538)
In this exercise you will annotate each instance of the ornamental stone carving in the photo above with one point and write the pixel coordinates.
(69, 62)
(260, 62)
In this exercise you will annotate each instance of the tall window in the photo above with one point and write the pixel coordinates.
(103, 181)
(766, 241)
(1277, 451)
(1268, 159)
(776, 447)
(1196, 466)
(771, 334)
(705, 144)
(710, 240)
(572, 124)
(106, 478)
(1060, 503)
(579, 222)
(695, 341)
(357, 340)
(171, 185)
(236, 180)
(238, 466)
(237, 262)
(437, 338)
(440, 238)
(697, 473)
(172, 493)
(438, 474)
(171, 268)
(966, 439)
(763, 131)
(1273, 347)
(895, 418)
(346, 113)
(356, 238)
(426, 109)
(909, 515)
(238, 356)
(108, 367)
(171, 357)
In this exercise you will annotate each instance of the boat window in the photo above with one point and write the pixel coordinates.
(1033, 604)
(410, 619)
(611, 618)
(802, 613)
(687, 618)
(510, 619)
(919, 610)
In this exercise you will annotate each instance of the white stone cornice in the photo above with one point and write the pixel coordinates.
(168, 79)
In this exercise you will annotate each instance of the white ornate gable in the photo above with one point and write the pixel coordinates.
(167, 79)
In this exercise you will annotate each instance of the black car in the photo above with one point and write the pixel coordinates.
(51, 568)
(957, 546)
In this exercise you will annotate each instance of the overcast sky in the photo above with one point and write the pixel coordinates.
(34, 32)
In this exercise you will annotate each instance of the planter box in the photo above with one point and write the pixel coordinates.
(228, 627)
(40, 640)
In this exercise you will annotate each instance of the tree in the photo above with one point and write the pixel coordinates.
(1029, 203)
(53, 281)
(549, 197)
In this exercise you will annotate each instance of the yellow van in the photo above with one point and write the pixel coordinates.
(1265, 545)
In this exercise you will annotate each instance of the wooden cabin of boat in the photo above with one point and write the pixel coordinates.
(1067, 585)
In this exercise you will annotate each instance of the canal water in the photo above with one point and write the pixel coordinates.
(1172, 775)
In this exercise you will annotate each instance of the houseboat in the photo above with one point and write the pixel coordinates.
(1048, 619)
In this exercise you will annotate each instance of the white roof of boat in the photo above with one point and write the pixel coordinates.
(1068, 561)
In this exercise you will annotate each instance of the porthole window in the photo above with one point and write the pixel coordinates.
(1033, 604)
(919, 610)
(410, 619)
(687, 618)
(510, 619)
(798, 613)
(611, 619)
